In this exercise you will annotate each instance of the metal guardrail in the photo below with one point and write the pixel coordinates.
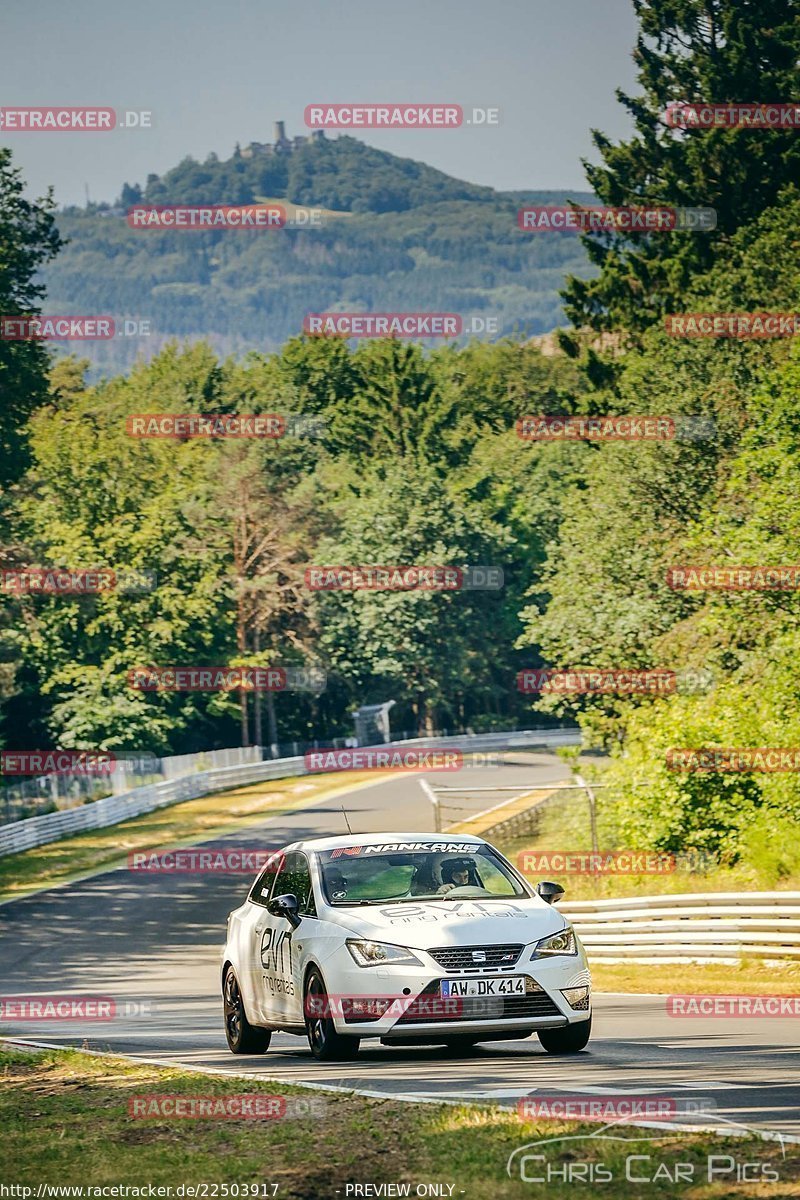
(50, 827)
(48, 793)
(71, 789)
(689, 927)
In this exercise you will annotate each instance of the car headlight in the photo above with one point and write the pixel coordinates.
(378, 954)
(557, 943)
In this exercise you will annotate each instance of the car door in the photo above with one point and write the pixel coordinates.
(282, 987)
(257, 1001)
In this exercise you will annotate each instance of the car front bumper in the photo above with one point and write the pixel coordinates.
(414, 1008)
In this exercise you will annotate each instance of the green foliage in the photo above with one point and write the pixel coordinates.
(729, 499)
(410, 469)
(694, 51)
(446, 653)
(419, 461)
(28, 239)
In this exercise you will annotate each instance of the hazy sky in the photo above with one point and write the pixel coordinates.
(216, 73)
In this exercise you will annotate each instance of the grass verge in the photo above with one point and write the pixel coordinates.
(64, 1121)
(750, 977)
(179, 824)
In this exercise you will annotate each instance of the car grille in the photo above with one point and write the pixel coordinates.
(430, 1006)
(460, 958)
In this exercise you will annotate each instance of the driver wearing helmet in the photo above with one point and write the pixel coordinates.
(455, 873)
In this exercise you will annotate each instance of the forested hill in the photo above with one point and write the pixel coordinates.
(396, 235)
(343, 174)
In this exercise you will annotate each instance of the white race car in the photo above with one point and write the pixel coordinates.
(411, 938)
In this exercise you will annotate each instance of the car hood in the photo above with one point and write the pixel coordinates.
(452, 922)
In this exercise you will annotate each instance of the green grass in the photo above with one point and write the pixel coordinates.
(64, 1120)
(750, 977)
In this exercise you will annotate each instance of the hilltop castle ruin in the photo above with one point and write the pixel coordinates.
(282, 144)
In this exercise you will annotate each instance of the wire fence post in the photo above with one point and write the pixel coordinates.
(437, 814)
(592, 810)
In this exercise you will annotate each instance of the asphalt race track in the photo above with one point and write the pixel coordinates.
(153, 942)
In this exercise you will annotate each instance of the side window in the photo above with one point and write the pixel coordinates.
(295, 878)
(262, 887)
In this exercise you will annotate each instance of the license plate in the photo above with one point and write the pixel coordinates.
(505, 985)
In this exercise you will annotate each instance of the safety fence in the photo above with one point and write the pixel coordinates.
(110, 810)
(128, 771)
(689, 927)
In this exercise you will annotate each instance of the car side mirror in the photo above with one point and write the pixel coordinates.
(551, 893)
(286, 906)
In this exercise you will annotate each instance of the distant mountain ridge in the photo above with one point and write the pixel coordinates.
(343, 174)
(398, 235)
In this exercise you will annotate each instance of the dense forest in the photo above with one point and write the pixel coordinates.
(418, 460)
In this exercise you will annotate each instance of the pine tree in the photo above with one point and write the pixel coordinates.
(28, 238)
(690, 51)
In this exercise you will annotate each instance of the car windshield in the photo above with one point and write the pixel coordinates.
(378, 874)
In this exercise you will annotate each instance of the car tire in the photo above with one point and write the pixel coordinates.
(241, 1036)
(568, 1040)
(324, 1042)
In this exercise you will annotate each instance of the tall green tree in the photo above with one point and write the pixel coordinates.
(689, 51)
(28, 239)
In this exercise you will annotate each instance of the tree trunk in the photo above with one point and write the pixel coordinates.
(257, 731)
(245, 722)
(272, 722)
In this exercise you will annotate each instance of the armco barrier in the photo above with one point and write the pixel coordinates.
(50, 827)
(37, 831)
(699, 927)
